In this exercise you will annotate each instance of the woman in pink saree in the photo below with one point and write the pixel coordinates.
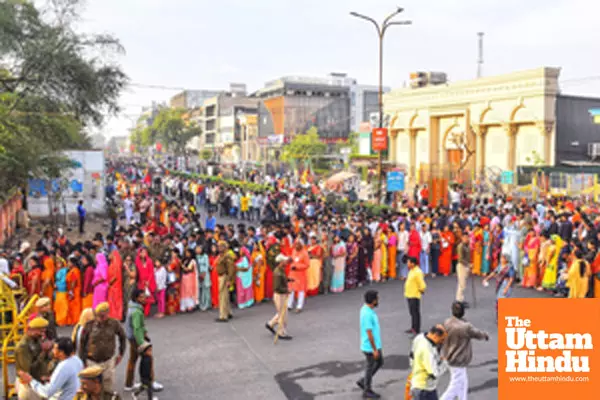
(115, 286)
(100, 281)
(146, 279)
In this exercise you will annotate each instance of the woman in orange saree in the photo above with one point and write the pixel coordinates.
(531, 245)
(477, 245)
(115, 286)
(74, 294)
(392, 251)
(61, 301)
(259, 264)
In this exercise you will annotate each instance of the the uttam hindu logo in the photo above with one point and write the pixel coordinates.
(524, 342)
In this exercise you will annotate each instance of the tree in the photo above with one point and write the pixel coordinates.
(352, 142)
(173, 131)
(54, 84)
(304, 147)
(206, 154)
(459, 140)
(535, 159)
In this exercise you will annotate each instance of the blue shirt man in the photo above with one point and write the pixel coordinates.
(370, 343)
(211, 222)
(81, 212)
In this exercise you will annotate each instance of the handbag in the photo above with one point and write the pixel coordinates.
(171, 277)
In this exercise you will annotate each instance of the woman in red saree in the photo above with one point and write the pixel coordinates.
(174, 283)
(214, 278)
(87, 290)
(115, 286)
(447, 244)
(74, 292)
(414, 242)
(146, 279)
(34, 278)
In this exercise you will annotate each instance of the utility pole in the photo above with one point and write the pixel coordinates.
(480, 54)
(381, 29)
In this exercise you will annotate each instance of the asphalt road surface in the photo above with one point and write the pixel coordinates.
(197, 358)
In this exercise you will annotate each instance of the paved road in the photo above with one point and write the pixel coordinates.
(198, 358)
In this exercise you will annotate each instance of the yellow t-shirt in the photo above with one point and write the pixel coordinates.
(415, 284)
(244, 203)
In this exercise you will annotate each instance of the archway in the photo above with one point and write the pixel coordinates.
(454, 146)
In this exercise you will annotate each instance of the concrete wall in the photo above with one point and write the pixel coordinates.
(89, 173)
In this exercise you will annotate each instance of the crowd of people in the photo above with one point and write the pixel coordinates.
(291, 243)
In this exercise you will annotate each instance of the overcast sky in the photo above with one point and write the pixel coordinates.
(202, 44)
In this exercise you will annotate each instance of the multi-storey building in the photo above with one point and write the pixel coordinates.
(293, 104)
(190, 99)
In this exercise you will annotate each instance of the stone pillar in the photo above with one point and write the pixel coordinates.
(511, 133)
(480, 134)
(412, 156)
(545, 128)
(434, 141)
(393, 145)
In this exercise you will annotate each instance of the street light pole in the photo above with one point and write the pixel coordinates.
(381, 29)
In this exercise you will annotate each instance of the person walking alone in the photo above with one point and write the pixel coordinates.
(81, 213)
(370, 343)
(413, 291)
(463, 269)
(458, 351)
(280, 295)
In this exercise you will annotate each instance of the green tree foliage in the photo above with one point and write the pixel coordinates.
(304, 147)
(55, 83)
(172, 130)
(206, 154)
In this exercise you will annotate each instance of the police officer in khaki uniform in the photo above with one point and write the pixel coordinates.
(99, 344)
(226, 273)
(32, 356)
(91, 386)
(44, 309)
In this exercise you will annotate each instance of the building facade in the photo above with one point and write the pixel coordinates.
(496, 123)
(577, 129)
(221, 126)
(292, 105)
(190, 99)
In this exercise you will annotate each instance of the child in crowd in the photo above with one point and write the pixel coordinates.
(160, 275)
(145, 350)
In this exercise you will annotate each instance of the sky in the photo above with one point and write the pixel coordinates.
(201, 44)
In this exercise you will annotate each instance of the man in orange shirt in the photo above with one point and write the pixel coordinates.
(300, 263)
